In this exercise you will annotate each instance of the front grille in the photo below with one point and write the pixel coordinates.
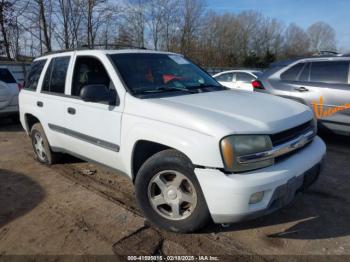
(287, 135)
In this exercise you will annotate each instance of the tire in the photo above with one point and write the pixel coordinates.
(37, 134)
(171, 166)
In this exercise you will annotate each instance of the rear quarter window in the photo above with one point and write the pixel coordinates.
(6, 76)
(292, 73)
(335, 72)
(32, 80)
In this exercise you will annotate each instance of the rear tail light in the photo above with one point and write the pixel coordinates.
(257, 84)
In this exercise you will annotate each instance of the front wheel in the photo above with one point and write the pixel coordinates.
(169, 194)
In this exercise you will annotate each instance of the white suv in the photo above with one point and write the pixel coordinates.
(194, 150)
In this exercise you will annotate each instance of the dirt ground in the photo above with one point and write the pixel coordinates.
(77, 208)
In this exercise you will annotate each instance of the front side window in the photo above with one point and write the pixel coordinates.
(32, 80)
(6, 76)
(292, 73)
(227, 77)
(89, 71)
(330, 72)
(55, 77)
(145, 73)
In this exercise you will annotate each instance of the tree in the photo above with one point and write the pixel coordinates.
(133, 26)
(6, 22)
(44, 25)
(297, 41)
(190, 23)
(322, 37)
(160, 17)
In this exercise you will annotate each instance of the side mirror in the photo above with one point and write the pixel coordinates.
(98, 94)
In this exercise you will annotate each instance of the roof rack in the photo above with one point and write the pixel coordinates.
(63, 50)
(87, 47)
(326, 53)
(115, 46)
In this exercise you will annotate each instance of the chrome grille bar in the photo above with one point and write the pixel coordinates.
(280, 150)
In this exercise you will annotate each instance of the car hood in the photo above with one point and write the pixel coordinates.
(224, 112)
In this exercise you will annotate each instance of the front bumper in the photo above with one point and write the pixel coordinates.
(228, 196)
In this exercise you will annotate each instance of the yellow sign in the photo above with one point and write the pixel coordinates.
(320, 112)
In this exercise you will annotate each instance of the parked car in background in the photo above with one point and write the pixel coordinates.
(9, 89)
(322, 83)
(194, 150)
(240, 79)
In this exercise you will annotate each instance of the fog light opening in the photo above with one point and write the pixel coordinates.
(256, 197)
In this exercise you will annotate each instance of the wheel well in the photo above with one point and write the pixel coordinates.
(142, 151)
(31, 120)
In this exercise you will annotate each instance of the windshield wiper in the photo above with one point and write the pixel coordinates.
(198, 87)
(169, 88)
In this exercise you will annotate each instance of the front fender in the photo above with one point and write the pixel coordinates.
(202, 149)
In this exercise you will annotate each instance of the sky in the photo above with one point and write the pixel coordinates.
(302, 12)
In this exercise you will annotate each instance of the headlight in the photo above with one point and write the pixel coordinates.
(235, 146)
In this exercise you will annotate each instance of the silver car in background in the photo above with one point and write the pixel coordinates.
(323, 83)
(9, 89)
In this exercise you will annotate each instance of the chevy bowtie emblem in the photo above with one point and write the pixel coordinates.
(300, 143)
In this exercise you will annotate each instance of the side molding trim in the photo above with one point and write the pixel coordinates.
(86, 138)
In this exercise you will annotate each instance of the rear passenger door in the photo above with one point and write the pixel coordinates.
(332, 79)
(92, 128)
(50, 101)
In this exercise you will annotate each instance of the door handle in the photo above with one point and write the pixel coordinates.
(71, 110)
(40, 104)
(301, 89)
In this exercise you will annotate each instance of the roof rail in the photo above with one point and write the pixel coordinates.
(63, 50)
(326, 53)
(87, 47)
(115, 46)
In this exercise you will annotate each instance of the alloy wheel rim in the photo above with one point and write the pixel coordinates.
(39, 147)
(172, 195)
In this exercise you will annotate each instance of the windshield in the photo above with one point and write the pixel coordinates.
(155, 73)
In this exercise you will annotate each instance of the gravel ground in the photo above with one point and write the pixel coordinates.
(77, 208)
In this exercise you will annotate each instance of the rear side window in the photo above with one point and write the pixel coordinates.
(292, 73)
(245, 77)
(55, 77)
(225, 77)
(305, 74)
(6, 76)
(34, 74)
(330, 72)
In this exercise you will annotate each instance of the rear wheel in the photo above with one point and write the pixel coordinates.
(169, 194)
(41, 146)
